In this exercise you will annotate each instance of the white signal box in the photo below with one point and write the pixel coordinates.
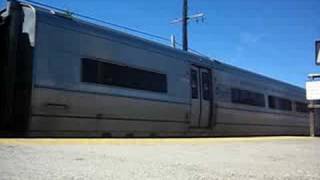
(313, 90)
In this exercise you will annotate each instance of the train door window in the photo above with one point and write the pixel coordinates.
(194, 83)
(205, 86)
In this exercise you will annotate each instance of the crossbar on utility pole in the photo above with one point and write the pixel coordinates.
(185, 19)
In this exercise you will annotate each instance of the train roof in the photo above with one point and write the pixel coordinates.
(158, 47)
(253, 75)
(168, 50)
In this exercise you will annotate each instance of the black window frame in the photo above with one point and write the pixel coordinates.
(301, 107)
(246, 97)
(111, 74)
(279, 103)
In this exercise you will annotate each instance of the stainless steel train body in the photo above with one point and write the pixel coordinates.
(67, 77)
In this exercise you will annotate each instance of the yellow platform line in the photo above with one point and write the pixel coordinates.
(141, 141)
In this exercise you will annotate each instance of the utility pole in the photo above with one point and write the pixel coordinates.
(185, 25)
(173, 41)
(185, 19)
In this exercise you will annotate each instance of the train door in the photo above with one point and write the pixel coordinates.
(201, 91)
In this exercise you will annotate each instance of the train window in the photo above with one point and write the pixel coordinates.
(205, 85)
(301, 107)
(194, 84)
(122, 76)
(247, 97)
(279, 103)
(90, 71)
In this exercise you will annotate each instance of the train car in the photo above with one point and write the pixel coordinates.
(65, 77)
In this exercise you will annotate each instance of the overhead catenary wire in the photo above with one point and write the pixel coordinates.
(109, 23)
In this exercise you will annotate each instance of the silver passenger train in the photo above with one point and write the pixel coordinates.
(62, 76)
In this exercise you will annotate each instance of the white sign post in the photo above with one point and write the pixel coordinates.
(313, 95)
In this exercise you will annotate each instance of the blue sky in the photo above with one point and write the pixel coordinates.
(274, 38)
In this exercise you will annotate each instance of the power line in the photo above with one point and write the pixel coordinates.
(99, 20)
(108, 23)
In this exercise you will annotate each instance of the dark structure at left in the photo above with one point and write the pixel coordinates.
(16, 47)
(62, 76)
